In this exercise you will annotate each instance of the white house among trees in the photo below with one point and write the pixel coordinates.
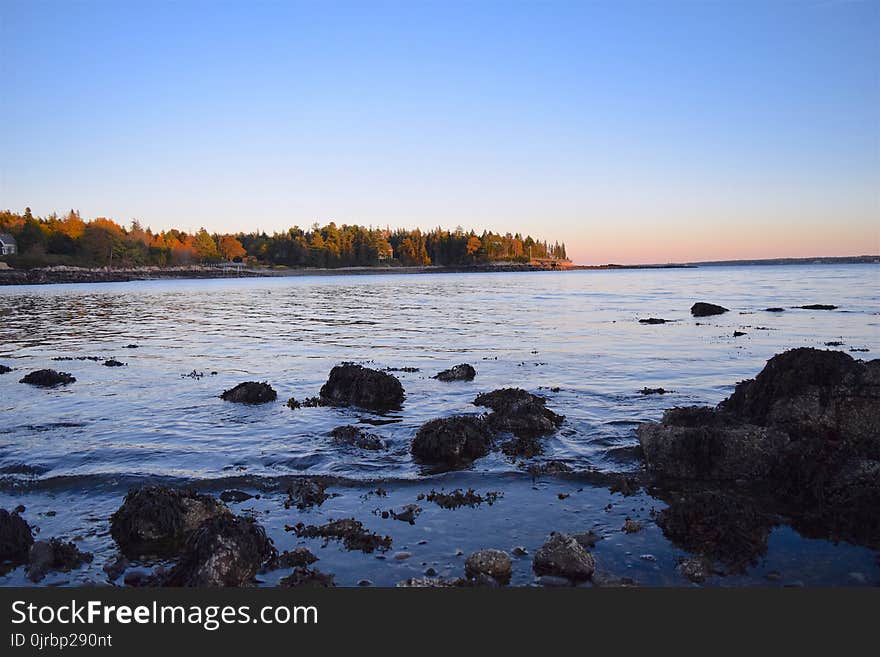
(7, 244)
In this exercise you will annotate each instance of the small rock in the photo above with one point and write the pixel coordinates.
(353, 384)
(47, 378)
(631, 526)
(492, 563)
(235, 496)
(563, 556)
(463, 372)
(250, 392)
(653, 320)
(702, 309)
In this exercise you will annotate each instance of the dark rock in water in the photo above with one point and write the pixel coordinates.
(631, 526)
(361, 386)
(587, 539)
(54, 554)
(834, 343)
(408, 513)
(696, 569)
(297, 558)
(548, 468)
(463, 372)
(490, 563)
(157, 521)
(702, 309)
(4, 369)
(453, 442)
(235, 496)
(132, 346)
(563, 556)
(225, 550)
(16, 538)
(624, 484)
(112, 362)
(358, 437)
(519, 412)
(653, 391)
(115, 566)
(250, 392)
(351, 532)
(307, 577)
(737, 334)
(819, 306)
(718, 524)
(696, 442)
(526, 448)
(653, 320)
(309, 402)
(47, 378)
(293, 404)
(807, 429)
(305, 493)
(774, 310)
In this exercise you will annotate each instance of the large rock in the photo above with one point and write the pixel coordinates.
(453, 442)
(563, 556)
(225, 550)
(16, 538)
(361, 386)
(519, 412)
(157, 521)
(250, 392)
(806, 431)
(47, 378)
(703, 309)
(463, 372)
(701, 443)
(490, 563)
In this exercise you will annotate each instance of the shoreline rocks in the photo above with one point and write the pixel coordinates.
(492, 563)
(356, 385)
(563, 556)
(16, 538)
(357, 437)
(54, 554)
(453, 442)
(5, 369)
(250, 392)
(519, 412)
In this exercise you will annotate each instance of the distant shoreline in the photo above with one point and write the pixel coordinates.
(58, 275)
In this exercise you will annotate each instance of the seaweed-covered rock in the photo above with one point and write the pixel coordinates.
(157, 520)
(47, 378)
(297, 558)
(563, 556)
(250, 392)
(490, 563)
(453, 442)
(225, 550)
(703, 309)
(16, 538)
(519, 412)
(361, 386)
(306, 492)
(4, 369)
(54, 554)
(112, 362)
(357, 437)
(463, 372)
(307, 577)
(702, 443)
(351, 532)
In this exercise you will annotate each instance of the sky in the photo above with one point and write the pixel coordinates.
(635, 132)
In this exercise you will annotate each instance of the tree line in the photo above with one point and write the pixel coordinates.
(102, 242)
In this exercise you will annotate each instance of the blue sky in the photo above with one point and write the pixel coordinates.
(633, 131)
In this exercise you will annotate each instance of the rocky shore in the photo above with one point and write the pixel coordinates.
(799, 444)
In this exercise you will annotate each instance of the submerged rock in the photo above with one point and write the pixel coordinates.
(306, 492)
(357, 437)
(250, 392)
(774, 309)
(16, 538)
(47, 378)
(361, 386)
(653, 391)
(112, 362)
(653, 320)
(235, 496)
(297, 558)
(819, 306)
(408, 513)
(351, 532)
(157, 520)
(563, 556)
(225, 550)
(307, 577)
(490, 563)
(453, 442)
(463, 372)
(458, 498)
(703, 309)
(54, 554)
(519, 412)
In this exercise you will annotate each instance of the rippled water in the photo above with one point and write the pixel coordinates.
(577, 332)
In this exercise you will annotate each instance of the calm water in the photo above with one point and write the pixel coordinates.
(575, 331)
